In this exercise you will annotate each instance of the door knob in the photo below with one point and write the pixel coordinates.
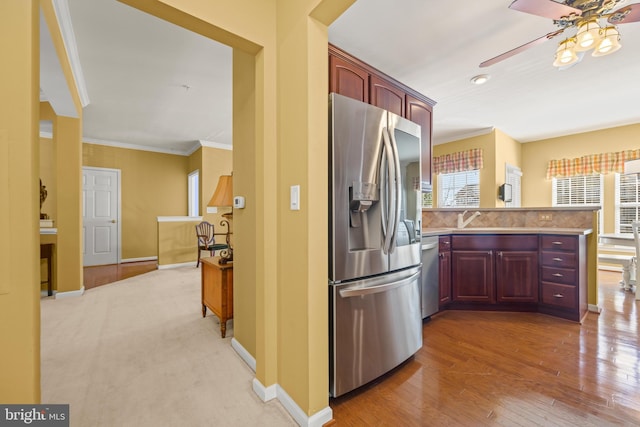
(113, 221)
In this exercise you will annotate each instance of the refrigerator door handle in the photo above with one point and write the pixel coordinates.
(388, 226)
(356, 292)
(398, 188)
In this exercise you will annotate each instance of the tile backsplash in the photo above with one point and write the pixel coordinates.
(508, 217)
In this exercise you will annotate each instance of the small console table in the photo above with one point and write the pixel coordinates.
(217, 290)
(46, 252)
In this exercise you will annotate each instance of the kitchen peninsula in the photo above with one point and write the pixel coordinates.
(539, 259)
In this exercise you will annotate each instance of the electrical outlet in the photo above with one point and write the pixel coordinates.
(545, 216)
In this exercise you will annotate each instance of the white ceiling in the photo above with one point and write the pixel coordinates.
(152, 84)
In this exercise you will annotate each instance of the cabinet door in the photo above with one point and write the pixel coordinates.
(387, 96)
(517, 276)
(421, 113)
(472, 276)
(444, 278)
(348, 79)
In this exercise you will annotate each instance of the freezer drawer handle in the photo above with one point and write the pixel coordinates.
(347, 293)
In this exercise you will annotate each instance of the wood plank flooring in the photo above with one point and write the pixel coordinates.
(104, 274)
(513, 369)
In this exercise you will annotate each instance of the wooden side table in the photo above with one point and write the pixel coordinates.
(217, 290)
(46, 252)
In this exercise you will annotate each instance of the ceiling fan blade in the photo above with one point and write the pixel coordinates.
(519, 49)
(625, 15)
(545, 8)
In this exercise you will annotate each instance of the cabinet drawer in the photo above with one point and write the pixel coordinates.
(515, 242)
(559, 259)
(559, 243)
(444, 243)
(566, 276)
(565, 296)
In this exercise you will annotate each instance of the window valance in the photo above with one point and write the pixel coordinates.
(458, 162)
(602, 163)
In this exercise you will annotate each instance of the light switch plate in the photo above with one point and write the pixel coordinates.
(295, 197)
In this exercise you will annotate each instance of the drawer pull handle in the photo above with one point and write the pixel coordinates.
(558, 259)
(556, 243)
(558, 274)
(558, 296)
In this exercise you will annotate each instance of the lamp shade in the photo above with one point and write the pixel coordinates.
(588, 35)
(565, 54)
(609, 43)
(223, 196)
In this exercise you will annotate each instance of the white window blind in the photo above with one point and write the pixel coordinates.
(579, 190)
(459, 189)
(627, 202)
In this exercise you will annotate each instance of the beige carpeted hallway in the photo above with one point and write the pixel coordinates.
(138, 353)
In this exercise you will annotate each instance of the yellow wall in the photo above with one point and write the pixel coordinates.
(215, 162)
(153, 184)
(536, 189)
(508, 152)
(48, 172)
(177, 242)
(20, 203)
(488, 188)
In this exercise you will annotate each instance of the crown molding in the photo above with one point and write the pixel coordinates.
(212, 144)
(61, 9)
(134, 146)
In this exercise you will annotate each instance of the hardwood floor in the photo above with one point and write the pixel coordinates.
(104, 274)
(514, 369)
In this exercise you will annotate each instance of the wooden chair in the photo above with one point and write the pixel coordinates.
(206, 239)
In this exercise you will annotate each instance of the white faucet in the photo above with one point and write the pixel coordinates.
(462, 223)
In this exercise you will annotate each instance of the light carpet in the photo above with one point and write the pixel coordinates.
(139, 353)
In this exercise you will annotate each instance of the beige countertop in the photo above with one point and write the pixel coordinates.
(506, 230)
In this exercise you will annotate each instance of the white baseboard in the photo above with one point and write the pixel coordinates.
(45, 293)
(265, 393)
(184, 264)
(70, 294)
(316, 420)
(594, 308)
(275, 391)
(244, 354)
(146, 258)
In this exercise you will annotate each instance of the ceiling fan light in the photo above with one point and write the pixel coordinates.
(609, 43)
(588, 35)
(565, 54)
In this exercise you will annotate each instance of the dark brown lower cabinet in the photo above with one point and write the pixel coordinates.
(472, 276)
(517, 276)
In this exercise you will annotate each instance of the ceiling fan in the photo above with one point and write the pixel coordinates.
(582, 15)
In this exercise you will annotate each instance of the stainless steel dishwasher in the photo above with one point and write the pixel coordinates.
(429, 289)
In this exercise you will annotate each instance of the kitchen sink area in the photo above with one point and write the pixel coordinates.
(541, 260)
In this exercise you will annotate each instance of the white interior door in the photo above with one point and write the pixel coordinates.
(100, 216)
(513, 176)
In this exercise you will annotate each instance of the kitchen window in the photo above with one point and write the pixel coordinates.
(627, 202)
(459, 189)
(579, 190)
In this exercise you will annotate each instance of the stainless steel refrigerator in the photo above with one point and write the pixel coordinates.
(374, 242)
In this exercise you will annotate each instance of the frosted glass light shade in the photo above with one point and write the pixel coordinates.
(588, 35)
(609, 43)
(565, 54)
